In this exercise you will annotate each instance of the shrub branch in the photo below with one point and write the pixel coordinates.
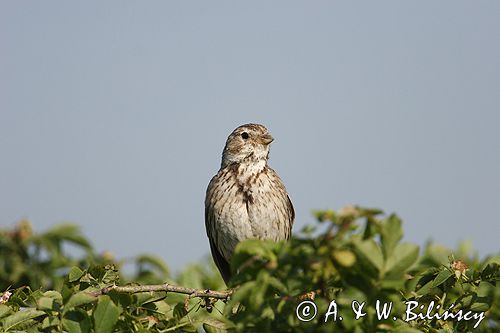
(192, 292)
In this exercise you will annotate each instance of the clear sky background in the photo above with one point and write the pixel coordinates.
(113, 115)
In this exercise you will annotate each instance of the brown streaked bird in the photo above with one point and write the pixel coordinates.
(246, 199)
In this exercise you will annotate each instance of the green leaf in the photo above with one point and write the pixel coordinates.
(213, 325)
(75, 274)
(251, 249)
(441, 278)
(344, 257)
(124, 300)
(53, 294)
(369, 256)
(35, 295)
(46, 303)
(325, 215)
(391, 234)
(242, 293)
(51, 300)
(179, 311)
(96, 272)
(149, 297)
(482, 304)
(401, 259)
(368, 212)
(162, 307)
(50, 322)
(110, 277)
(76, 321)
(70, 233)
(278, 286)
(4, 310)
(425, 288)
(20, 317)
(396, 284)
(258, 296)
(105, 315)
(78, 299)
(491, 271)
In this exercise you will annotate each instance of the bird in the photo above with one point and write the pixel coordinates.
(246, 199)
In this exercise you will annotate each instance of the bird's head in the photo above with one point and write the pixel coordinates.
(248, 142)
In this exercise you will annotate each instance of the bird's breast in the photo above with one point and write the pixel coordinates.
(247, 206)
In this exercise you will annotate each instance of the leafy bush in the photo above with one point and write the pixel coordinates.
(43, 260)
(351, 257)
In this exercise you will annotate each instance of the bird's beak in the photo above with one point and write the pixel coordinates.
(266, 139)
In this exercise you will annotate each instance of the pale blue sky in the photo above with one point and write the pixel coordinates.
(113, 115)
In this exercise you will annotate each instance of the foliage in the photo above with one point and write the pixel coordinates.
(354, 254)
(43, 260)
(349, 262)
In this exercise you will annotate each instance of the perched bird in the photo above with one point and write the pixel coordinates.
(246, 199)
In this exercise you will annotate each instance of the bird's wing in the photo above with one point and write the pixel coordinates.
(288, 206)
(220, 261)
(291, 216)
(222, 264)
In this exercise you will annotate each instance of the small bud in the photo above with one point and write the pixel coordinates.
(308, 296)
(348, 212)
(107, 256)
(4, 298)
(459, 267)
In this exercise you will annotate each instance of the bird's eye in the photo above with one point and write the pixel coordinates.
(244, 135)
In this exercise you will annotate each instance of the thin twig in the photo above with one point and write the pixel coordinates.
(192, 292)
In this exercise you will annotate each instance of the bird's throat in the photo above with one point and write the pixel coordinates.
(250, 169)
